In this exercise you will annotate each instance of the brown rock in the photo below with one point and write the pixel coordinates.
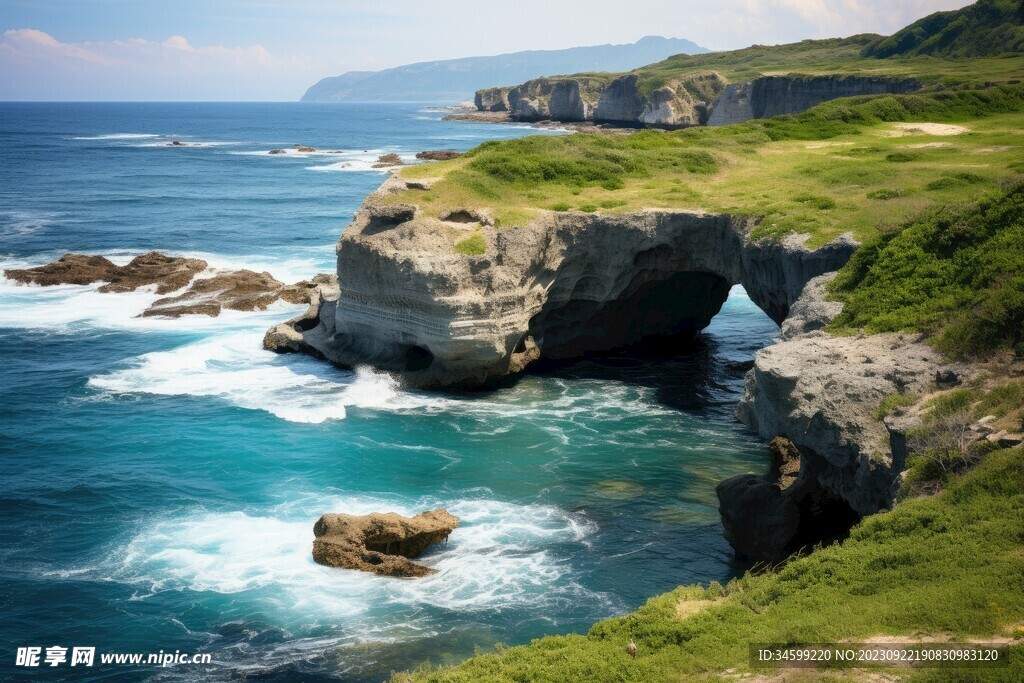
(386, 160)
(381, 543)
(168, 273)
(69, 269)
(302, 291)
(785, 461)
(304, 150)
(238, 290)
(438, 154)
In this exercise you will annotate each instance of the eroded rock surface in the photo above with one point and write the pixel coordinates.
(566, 284)
(381, 543)
(821, 392)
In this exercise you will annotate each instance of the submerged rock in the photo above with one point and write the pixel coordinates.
(381, 543)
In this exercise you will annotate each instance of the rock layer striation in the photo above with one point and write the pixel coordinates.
(564, 285)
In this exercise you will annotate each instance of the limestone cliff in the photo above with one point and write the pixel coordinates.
(563, 285)
(701, 98)
(821, 391)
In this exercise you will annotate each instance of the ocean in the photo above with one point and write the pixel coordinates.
(160, 478)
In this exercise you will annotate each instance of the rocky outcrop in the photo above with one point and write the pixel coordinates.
(438, 155)
(239, 290)
(700, 98)
(167, 273)
(380, 543)
(564, 285)
(821, 392)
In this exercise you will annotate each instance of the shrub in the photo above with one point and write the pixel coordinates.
(885, 193)
(815, 201)
(955, 274)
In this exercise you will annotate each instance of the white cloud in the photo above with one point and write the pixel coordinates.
(36, 65)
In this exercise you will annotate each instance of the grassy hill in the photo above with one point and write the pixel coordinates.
(987, 28)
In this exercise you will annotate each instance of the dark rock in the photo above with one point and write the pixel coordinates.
(278, 151)
(386, 160)
(438, 155)
(760, 519)
(380, 543)
(947, 378)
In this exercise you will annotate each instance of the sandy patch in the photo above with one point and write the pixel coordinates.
(901, 129)
(990, 150)
(929, 145)
(687, 608)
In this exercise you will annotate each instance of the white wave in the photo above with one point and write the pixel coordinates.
(292, 152)
(502, 556)
(118, 136)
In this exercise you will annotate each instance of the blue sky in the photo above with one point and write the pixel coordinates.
(274, 49)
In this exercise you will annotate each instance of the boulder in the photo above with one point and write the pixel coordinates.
(69, 269)
(381, 543)
(304, 150)
(278, 151)
(760, 519)
(386, 160)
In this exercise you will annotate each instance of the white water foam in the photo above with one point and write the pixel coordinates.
(502, 556)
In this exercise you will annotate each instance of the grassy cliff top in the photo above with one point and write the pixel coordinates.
(850, 165)
(946, 566)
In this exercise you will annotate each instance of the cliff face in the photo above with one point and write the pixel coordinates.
(682, 102)
(821, 391)
(559, 287)
(776, 95)
(694, 99)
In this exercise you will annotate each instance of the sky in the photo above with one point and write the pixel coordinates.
(271, 50)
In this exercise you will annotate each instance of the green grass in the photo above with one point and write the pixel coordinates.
(473, 245)
(891, 403)
(956, 274)
(950, 565)
(811, 173)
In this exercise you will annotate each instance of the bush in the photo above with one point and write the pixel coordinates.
(955, 274)
(885, 193)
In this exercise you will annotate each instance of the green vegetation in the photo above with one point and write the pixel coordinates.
(956, 274)
(986, 28)
(474, 245)
(891, 403)
(810, 173)
(898, 574)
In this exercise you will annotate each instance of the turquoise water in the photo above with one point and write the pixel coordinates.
(160, 479)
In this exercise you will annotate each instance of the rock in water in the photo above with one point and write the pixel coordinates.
(386, 160)
(168, 273)
(381, 543)
(69, 269)
(760, 519)
(438, 154)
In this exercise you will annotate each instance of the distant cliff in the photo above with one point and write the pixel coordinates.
(701, 98)
(454, 80)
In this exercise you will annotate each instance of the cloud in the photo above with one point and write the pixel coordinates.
(36, 65)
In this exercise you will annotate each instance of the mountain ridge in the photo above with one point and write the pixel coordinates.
(456, 80)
